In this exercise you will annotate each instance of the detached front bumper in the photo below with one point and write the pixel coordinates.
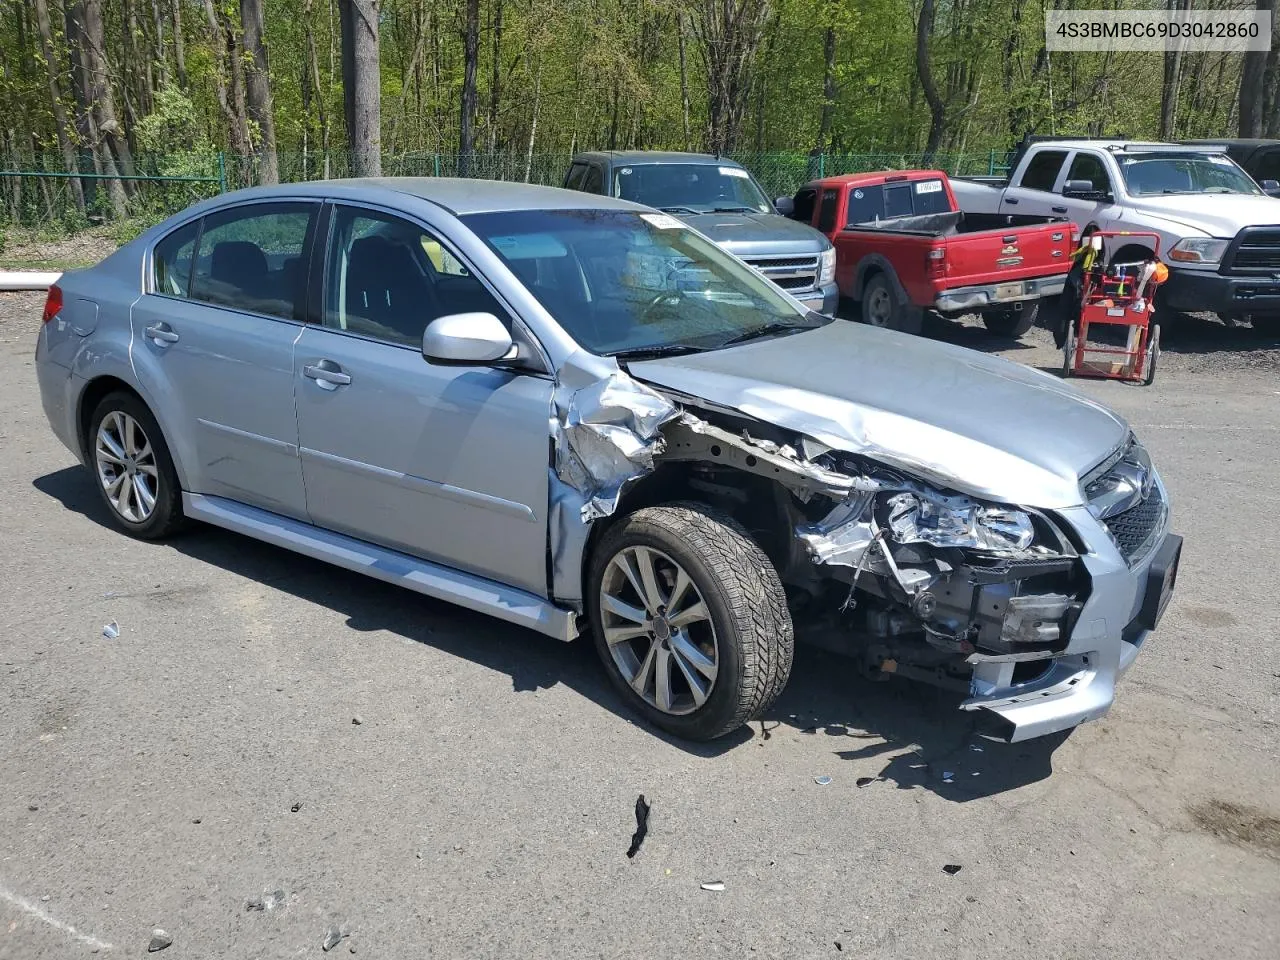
(1195, 291)
(998, 294)
(1077, 685)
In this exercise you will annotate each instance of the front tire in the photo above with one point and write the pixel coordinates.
(132, 468)
(690, 619)
(1008, 322)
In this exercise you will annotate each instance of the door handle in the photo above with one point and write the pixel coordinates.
(1010, 199)
(327, 375)
(1059, 209)
(162, 334)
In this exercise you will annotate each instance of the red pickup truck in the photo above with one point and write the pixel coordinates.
(903, 247)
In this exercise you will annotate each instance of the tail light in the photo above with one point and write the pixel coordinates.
(937, 263)
(52, 303)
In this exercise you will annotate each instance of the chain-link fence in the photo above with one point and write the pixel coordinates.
(38, 190)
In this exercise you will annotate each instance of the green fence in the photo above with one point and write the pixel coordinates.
(38, 190)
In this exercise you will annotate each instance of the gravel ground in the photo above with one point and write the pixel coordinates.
(208, 757)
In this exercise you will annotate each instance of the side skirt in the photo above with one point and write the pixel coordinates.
(421, 576)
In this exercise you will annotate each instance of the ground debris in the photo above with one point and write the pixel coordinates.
(867, 781)
(296, 807)
(267, 902)
(334, 936)
(642, 826)
(822, 781)
(159, 941)
(951, 869)
(715, 886)
(357, 720)
(111, 630)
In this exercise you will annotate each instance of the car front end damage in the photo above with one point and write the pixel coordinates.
(1032, 613)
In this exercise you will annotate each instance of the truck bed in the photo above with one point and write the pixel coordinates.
(956, 223)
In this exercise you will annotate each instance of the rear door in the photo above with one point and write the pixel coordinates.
(213, 345)
(448, 463)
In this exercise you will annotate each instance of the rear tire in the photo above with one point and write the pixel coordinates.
(725, 643)
(132, 469)
(1008, 322)
(881, 307)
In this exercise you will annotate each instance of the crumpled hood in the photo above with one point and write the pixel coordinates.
(985, 426)
(1214, 214)
(753, 233)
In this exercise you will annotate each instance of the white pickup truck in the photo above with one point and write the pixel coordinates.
(1219, 233)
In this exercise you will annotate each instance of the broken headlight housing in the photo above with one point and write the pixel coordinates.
(942, 521)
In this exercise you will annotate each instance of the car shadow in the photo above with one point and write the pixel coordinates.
(915, 728)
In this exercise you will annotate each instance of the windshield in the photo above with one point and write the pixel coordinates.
(1147, 174)
(690, 188)
(632, 283)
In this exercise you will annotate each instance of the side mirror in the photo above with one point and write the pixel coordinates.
(1084, 190)
(467, 339)
(785, 206)
(1271, 187)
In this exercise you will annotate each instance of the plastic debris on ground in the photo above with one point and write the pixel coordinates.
(295, 808)
(267, 902)
(951, 869)
(715, 886)
(159, 941)
(111, 630)
(642, 826)
(334, 936)
(822, 781)
(867, 781)
(948, 776)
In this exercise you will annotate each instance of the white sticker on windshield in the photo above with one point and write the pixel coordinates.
(662, 221)
(929, 186)
(1220, 160)
(734, 172)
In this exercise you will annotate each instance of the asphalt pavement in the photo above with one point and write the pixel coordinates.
(273, 747)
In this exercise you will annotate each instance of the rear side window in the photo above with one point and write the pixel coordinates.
(827, 212)
(1042, 169)
(576, 174)
(171, 261)
(592, 181)
(866, 204)
(1268, 166)
(252, 258)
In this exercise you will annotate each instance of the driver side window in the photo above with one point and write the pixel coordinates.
(1086, 166)
(388, 278)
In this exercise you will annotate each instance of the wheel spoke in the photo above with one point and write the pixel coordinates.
(129, 436)
(149, 470)
(145, 453)
(105, 455)
(692, 614)
(648, 576)
(641, 680)
(678, 591)
(624, 563)
(113, 486)
(696, 685)
(616, 635)
(662, 678)
(109, 443)
(122, 504)
(688, 653)
(142, 495)
(623, 609)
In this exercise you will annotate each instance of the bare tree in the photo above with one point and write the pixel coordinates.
(179, 51)
(471, 54)
(495, 85)
(729, 33)
(1169, 88)
(1253, 87)
(116, 157)
(362, 85)
(230, 104)
(258, 87)
(828, 83)
(924, 69)
(65, 144)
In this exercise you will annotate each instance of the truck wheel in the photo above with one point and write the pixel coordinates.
(1008, 322)
(133, 469)
(880, 307)
(690, 619)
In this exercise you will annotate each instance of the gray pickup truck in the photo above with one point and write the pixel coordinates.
(721, 200)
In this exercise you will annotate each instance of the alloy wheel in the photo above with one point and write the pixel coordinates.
(658, 630)
(127, 468)
(880, 309)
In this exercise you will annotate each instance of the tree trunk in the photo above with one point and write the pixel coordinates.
(361, 83)
(116, 157)
(160, 57)
(59, 108)
(312, 68)
(1253, 89)
(729, 32)
(1172, 74)
(86, 132)
(471, 53)
(179, 51)
(533, 124)
(230, 106)
(937, 109)
(495, 86)
(828, 88)
(258, 87)
(684, 81)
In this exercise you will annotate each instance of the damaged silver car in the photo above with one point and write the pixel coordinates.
(580, 415)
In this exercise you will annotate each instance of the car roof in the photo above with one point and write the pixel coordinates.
(637, 158)
(459, 196)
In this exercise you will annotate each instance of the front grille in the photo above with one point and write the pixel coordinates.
(1257, 251)
(1135, 529)
(790, 273)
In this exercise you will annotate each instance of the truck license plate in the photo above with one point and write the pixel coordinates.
(1008, 291)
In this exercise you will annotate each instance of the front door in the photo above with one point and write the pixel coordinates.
(213, 345)
(448, 463)
(1083, 212)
